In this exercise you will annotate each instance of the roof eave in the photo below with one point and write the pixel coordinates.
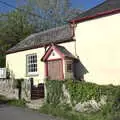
(101, 14)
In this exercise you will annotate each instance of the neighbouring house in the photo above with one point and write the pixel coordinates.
(85, 49)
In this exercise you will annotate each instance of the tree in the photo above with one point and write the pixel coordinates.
(53, 12)
(14, 27)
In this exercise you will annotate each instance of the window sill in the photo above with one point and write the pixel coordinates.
(32, 74)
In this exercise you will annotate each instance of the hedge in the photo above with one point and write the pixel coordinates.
(80, 91)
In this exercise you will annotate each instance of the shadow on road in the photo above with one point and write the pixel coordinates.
(3, 100)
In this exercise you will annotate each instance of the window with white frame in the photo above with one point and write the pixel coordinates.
(31, 64)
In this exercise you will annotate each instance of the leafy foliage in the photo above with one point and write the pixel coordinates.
(54, 91)
(53, 13)
(82, 91)
(116, 101)
(105, 114)
(18, 103)
(60, 111)
(14, 27)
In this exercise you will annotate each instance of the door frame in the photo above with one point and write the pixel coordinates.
(46, 67)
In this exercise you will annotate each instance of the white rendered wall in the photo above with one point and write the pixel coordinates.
(16, 62)
(98, 47)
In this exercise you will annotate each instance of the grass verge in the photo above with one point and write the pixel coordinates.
(18, 103)
(67, 113)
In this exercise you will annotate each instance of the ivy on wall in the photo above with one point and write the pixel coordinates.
(79, 91)
(83, 91)
(54, 91)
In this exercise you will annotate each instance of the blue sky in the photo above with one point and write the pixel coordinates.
(85, 4)
(82, 4)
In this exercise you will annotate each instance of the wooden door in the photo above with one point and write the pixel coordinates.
(55, 70)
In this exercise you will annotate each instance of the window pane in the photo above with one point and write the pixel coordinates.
(34, 59)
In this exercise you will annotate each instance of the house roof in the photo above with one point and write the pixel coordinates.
(54, 35)
(103, 9)
(60, 49)
(65, 52)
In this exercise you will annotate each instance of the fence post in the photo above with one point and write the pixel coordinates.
(31, 83)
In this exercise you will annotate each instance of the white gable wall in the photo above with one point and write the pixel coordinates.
(54, 55)
(98, 47)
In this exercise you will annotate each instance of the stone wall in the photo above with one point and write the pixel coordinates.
(26, 90)
(8, 89)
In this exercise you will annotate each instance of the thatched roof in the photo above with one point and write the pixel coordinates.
(54, 35)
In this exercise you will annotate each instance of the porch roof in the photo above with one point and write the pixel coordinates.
(65, 52)
(60, 50)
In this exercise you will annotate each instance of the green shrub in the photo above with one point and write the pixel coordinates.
(116, 101)
(72, 115)
(116, 116)
(83, 91)
(107, 109)
(54, 91)
(18, 103)
(80, 92)
(60, 111)
(2, 97)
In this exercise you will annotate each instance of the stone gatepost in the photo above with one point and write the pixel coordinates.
(26, 89)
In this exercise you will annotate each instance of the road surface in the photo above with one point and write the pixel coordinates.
(15, 113)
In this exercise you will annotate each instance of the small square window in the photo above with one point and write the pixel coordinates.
(69, 67)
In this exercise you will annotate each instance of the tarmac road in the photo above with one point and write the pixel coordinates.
(16, 113)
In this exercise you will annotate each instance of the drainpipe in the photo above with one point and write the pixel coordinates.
(74, 25)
